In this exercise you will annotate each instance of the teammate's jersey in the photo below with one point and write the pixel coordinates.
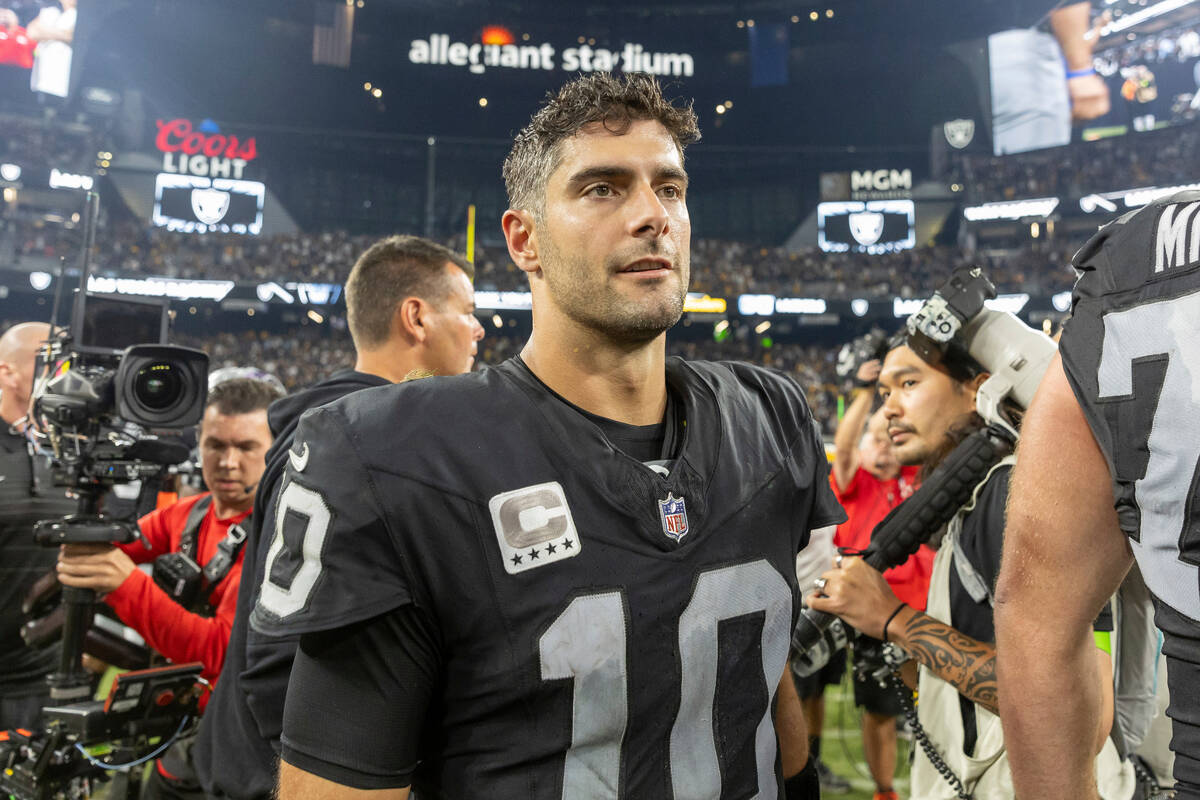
(1132, 355)
(602, 626)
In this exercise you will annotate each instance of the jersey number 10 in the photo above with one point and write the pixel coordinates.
(587, 642)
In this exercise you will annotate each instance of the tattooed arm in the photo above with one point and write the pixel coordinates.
(967, 664)
(858, 594)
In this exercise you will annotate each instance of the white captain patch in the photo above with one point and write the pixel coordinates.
(534, 527)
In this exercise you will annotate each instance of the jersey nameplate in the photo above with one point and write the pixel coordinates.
(1173, 247)
(534, 527)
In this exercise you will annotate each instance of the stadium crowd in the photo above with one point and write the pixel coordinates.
(1156, 158)
(720, 268)
(37, 143)
(303, 358)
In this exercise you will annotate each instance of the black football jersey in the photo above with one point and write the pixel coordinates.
(607, 631)
(1131, 352)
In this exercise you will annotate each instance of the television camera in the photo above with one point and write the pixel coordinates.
(952, 325)
(109, 405)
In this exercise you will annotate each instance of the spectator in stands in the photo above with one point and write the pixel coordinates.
(192, 622)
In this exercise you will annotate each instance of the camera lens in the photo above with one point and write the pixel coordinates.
(158, 386)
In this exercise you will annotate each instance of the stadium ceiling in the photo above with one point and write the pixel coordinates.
(937, 18)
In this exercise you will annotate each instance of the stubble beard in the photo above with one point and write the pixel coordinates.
(589, 298)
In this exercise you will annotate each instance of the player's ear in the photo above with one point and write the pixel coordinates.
(408, 321)
(521, 234)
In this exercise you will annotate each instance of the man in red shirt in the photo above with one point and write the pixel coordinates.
(869, 482)
(16, 48)
(234, 439)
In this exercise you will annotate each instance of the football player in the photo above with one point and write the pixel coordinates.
(410, 309)
(1115, 422)
(570, 575)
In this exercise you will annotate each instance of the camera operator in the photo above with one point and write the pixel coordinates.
(929, 410)
(411, 311)
(27, 494)
(185, 611)
(869, 482)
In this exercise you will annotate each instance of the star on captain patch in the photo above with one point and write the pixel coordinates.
(673, 514)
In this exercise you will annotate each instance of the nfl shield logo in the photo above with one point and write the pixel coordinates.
(673, 514)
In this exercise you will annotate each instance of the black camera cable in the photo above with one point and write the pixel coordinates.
(922, 738)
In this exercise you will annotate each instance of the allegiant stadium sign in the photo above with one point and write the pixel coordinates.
(477, 57)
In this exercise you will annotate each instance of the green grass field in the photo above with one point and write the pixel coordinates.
(841, 746)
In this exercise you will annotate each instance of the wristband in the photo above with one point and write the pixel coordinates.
(891, 617)
(1080, 73)
(805, 784)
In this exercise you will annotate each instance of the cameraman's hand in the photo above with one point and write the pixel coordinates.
(93, 566)
(858, 594)
(868, 372)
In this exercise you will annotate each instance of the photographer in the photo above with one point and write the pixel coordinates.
(869, 482)
(27, 494)
(191, 617)
(233, 440)
(929, 410)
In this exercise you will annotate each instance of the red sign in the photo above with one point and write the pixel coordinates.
(178, 136)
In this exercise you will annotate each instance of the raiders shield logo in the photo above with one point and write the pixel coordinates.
(866, 227)
(210, 205)
(959, 132)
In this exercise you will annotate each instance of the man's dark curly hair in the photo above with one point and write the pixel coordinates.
(615, 102)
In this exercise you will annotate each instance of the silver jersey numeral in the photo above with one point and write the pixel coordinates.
(1162, 329)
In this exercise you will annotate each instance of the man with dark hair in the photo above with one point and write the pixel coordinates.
(1107, 472)
(411, 312)
(233, 440)
(869, 482)
(188, 622)
(27, 495)
(930, 409)
(572, 575)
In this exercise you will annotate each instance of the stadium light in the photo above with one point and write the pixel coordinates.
(377, 92)
(814, 16)
(483, 102)
(720, 109)
(795, 18)
(1128, 21)
(829, 13)
(1012, 210)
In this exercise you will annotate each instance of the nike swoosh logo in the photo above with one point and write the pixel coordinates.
(299, 460)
